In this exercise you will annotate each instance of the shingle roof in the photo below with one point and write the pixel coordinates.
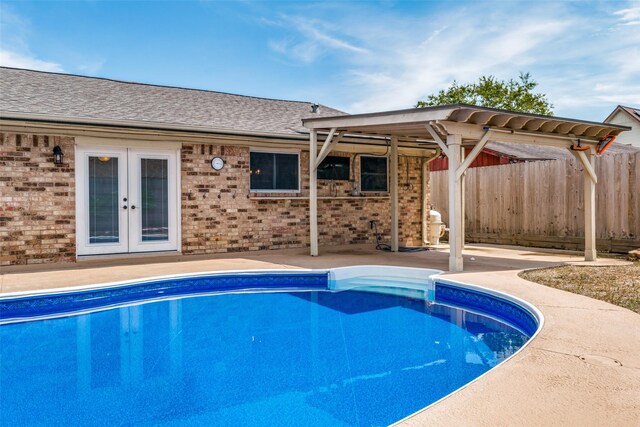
(78, 97)
(540, 152)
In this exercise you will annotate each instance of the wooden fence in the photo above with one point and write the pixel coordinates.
(542, 203)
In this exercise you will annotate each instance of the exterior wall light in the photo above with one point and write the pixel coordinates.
(57, 155)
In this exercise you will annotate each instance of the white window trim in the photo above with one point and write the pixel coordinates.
(276, 151)
(374, 191)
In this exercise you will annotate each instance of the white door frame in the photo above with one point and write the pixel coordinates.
(83, 246)
(127, 153)
(136, 244)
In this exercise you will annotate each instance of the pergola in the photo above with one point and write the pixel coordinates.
(449, 129)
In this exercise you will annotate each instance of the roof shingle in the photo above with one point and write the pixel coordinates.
(70, 96)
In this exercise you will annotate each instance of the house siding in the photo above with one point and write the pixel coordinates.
(219, 213)
(37, 200)
(631, 137)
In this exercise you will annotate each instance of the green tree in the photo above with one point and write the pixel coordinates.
(513, 95)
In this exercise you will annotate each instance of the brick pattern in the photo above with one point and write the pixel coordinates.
(37, 200)
(221, 214)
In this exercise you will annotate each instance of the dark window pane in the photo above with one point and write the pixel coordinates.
(262, 171)
(334, 167)
(286, 171)
(373, 173)
(274, 171)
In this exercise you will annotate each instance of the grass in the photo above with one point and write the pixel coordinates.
(619, 285)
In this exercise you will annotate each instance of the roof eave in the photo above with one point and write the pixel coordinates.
(441, 111)
(142, 125)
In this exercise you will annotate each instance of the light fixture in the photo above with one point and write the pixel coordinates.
(104, 158)
(57, 155)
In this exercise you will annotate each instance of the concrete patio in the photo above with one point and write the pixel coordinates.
(582, 369)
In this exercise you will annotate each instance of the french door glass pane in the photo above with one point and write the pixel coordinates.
(154, 193)
(103, 200)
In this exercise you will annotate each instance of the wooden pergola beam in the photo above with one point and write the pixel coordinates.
(473, 154)
(329, 144)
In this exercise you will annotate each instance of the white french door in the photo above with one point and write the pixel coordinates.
(126, 200)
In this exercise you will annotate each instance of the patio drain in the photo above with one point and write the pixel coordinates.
(593, 359)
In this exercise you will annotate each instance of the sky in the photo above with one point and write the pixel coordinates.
(356, 56)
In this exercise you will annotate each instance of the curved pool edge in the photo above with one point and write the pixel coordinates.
(430, 279)
(477, 288)
(409, 282)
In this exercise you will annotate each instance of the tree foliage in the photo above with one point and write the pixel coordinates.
(513, 95)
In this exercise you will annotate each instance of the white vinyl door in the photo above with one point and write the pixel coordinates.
(153, 201)
(126, 200)
(102, 214)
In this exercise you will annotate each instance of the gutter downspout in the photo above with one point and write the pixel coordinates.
(425, 208)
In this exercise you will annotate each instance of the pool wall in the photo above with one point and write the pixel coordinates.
(31, 306)
(409, 282)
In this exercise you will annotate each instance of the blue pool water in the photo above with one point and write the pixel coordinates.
(289, 358)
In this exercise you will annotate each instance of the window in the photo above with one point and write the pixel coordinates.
(334, 167)
(277, 172)
(373, 173)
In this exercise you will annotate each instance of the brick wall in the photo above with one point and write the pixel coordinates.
(220, 214)
(37, 200)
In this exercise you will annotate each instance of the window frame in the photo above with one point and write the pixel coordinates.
(276, 151)
(387, 173)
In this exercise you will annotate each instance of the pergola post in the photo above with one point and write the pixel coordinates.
(463, 185)
(587, 158)
(394, 195)
(456, 213)
(313, 193)
(589, 210)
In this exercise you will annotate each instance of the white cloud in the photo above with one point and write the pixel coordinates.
(14, 32)
(470, 46)
(313, 39)
(17, 60)
(585, 59)
(630, 16)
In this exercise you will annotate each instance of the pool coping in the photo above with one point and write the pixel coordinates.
(432, 278)
(548, 383)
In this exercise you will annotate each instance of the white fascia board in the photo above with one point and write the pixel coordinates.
(377, 119)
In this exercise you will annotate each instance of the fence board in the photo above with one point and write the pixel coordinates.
(542, 203)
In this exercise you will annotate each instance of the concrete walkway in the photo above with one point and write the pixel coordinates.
(582, 369)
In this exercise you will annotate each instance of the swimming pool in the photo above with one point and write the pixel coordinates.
(356, 347)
